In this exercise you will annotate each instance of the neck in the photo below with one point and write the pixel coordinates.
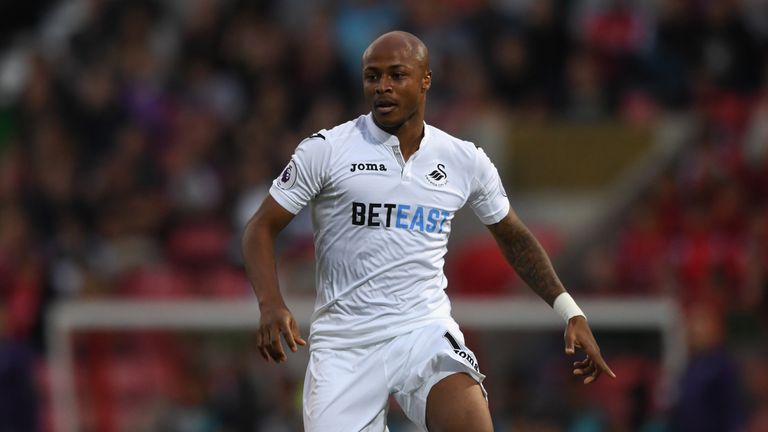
(409, 134)
(410, 140)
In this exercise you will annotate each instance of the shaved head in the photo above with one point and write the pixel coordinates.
(396, 78)
(407, 43)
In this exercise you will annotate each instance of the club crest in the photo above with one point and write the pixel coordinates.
(438, 176)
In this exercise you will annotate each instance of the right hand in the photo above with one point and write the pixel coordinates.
(277, 320)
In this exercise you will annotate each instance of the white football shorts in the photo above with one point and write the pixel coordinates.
(348, 389)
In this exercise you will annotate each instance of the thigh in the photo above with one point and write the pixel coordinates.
(457, 403)
(434, 354)
(345, 389)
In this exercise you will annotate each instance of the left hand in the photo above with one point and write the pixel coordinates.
(579, 335)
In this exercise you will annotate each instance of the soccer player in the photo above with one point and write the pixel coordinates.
(383, 190)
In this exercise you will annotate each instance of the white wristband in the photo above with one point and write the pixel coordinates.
(566, 307)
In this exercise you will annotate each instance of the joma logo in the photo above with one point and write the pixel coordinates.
(462, 353)
(367, 167)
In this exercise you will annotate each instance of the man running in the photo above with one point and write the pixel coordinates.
(383, 190)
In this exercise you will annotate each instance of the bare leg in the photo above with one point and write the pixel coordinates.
(456, 403)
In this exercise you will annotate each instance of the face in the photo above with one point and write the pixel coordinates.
(395, 83)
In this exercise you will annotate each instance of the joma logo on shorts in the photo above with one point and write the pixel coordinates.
(463, 354)
(367, 167)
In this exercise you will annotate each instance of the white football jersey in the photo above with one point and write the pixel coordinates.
(381, 225)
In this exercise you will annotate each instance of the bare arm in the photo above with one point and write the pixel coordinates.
(259, 256)
(531, 262)
(527, 257)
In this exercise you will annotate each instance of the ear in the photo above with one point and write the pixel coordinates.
(426, 82)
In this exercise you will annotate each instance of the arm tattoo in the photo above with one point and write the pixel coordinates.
(528, 258)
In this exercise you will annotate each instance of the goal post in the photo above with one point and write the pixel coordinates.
(65, 318)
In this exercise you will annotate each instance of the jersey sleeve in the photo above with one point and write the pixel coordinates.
(487, 198)
(304, 176)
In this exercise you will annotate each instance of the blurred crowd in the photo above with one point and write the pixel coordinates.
(145, 133)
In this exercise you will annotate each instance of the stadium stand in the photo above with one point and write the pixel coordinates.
(136, 138)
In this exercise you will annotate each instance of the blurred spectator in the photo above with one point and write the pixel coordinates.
(510, 68)
(187, 411)
(357, 23)
(710, 396)
(547, 48)
(676, 58)
(729, 52)
(18, 398)
(756, 368)
(640, 254)
(617, 35)
(21, 275)
(318, 72)
(756, 147)
(585, 97)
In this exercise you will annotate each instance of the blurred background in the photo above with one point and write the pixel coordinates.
(138, 137)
